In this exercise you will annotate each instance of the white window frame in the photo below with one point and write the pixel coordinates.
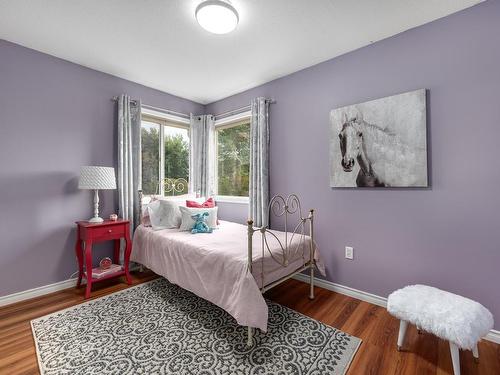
(163, 119)
(222, 124)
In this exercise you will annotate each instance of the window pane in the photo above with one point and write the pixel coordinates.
(233, 160)
(176, 170)
(150, 133)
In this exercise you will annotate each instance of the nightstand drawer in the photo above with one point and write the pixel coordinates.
(109, 232)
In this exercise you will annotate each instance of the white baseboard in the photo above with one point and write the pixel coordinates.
(46, 289)
(493, 335)
(351, 292)
(36, 292)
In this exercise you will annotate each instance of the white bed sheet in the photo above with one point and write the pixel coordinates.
(214, 266)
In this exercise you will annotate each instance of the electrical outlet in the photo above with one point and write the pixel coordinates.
(349, 252)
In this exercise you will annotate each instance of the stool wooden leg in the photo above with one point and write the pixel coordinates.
(455, 358)
(403, 325)
(475, 353)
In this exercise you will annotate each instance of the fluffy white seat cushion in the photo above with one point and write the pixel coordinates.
(449, 316)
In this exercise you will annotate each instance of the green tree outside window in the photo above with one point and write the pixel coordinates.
(233, 160)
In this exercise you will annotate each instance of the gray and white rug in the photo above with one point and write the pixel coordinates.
(160, 328)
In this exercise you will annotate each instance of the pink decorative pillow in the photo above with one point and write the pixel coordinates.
(209, 203)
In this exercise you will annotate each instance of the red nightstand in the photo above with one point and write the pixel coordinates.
(90, 233)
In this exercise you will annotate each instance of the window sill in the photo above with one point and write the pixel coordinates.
(231, 199)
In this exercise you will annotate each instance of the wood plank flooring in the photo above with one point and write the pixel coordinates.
(424, 354)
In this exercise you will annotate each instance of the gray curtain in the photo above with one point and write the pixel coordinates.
(129, 160)
(259, 162)
(202, 155)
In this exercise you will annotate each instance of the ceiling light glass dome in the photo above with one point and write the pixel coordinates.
(217, 16)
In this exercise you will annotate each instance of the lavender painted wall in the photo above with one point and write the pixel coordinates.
(55, 116)
(447, 235)
(237, 212)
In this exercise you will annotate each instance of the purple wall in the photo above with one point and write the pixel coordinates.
(55, 116)
(448, 235)
(237, 212)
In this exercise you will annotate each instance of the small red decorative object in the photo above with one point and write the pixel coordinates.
(105, 263)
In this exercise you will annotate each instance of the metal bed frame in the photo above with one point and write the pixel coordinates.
(285, 208)
(281, 207)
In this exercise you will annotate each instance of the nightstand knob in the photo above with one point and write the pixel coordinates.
(109, 230)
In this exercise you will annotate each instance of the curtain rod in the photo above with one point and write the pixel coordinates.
(185, 115)
(167, 111)
(239, 110)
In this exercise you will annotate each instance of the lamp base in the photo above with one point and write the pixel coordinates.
(96, 219)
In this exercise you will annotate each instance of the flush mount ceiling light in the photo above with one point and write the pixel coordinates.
(217, 16)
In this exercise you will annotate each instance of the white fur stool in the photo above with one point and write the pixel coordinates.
(454, 318)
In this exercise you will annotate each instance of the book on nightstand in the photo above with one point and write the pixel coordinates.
(100, 272)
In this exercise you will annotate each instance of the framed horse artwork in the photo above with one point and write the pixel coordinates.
(380, 143)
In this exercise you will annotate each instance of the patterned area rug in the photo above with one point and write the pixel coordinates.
(160, 328)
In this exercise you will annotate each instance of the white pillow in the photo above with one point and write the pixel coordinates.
(181, 199)
(164, 214)
(188, 222)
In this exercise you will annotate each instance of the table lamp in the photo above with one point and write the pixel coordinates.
(97, 178)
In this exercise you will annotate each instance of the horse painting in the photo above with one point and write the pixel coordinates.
(376, 154)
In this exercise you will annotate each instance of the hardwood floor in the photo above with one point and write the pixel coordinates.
(424, 354)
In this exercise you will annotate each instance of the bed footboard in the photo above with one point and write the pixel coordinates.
(281, 207)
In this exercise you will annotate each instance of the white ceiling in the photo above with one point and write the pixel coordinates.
(158, 43)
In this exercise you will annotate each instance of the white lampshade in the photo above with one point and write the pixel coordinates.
(97, 178)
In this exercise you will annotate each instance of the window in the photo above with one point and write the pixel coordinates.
(233, 158)
(165, 156)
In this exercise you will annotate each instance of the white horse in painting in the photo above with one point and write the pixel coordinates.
(383, 158)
